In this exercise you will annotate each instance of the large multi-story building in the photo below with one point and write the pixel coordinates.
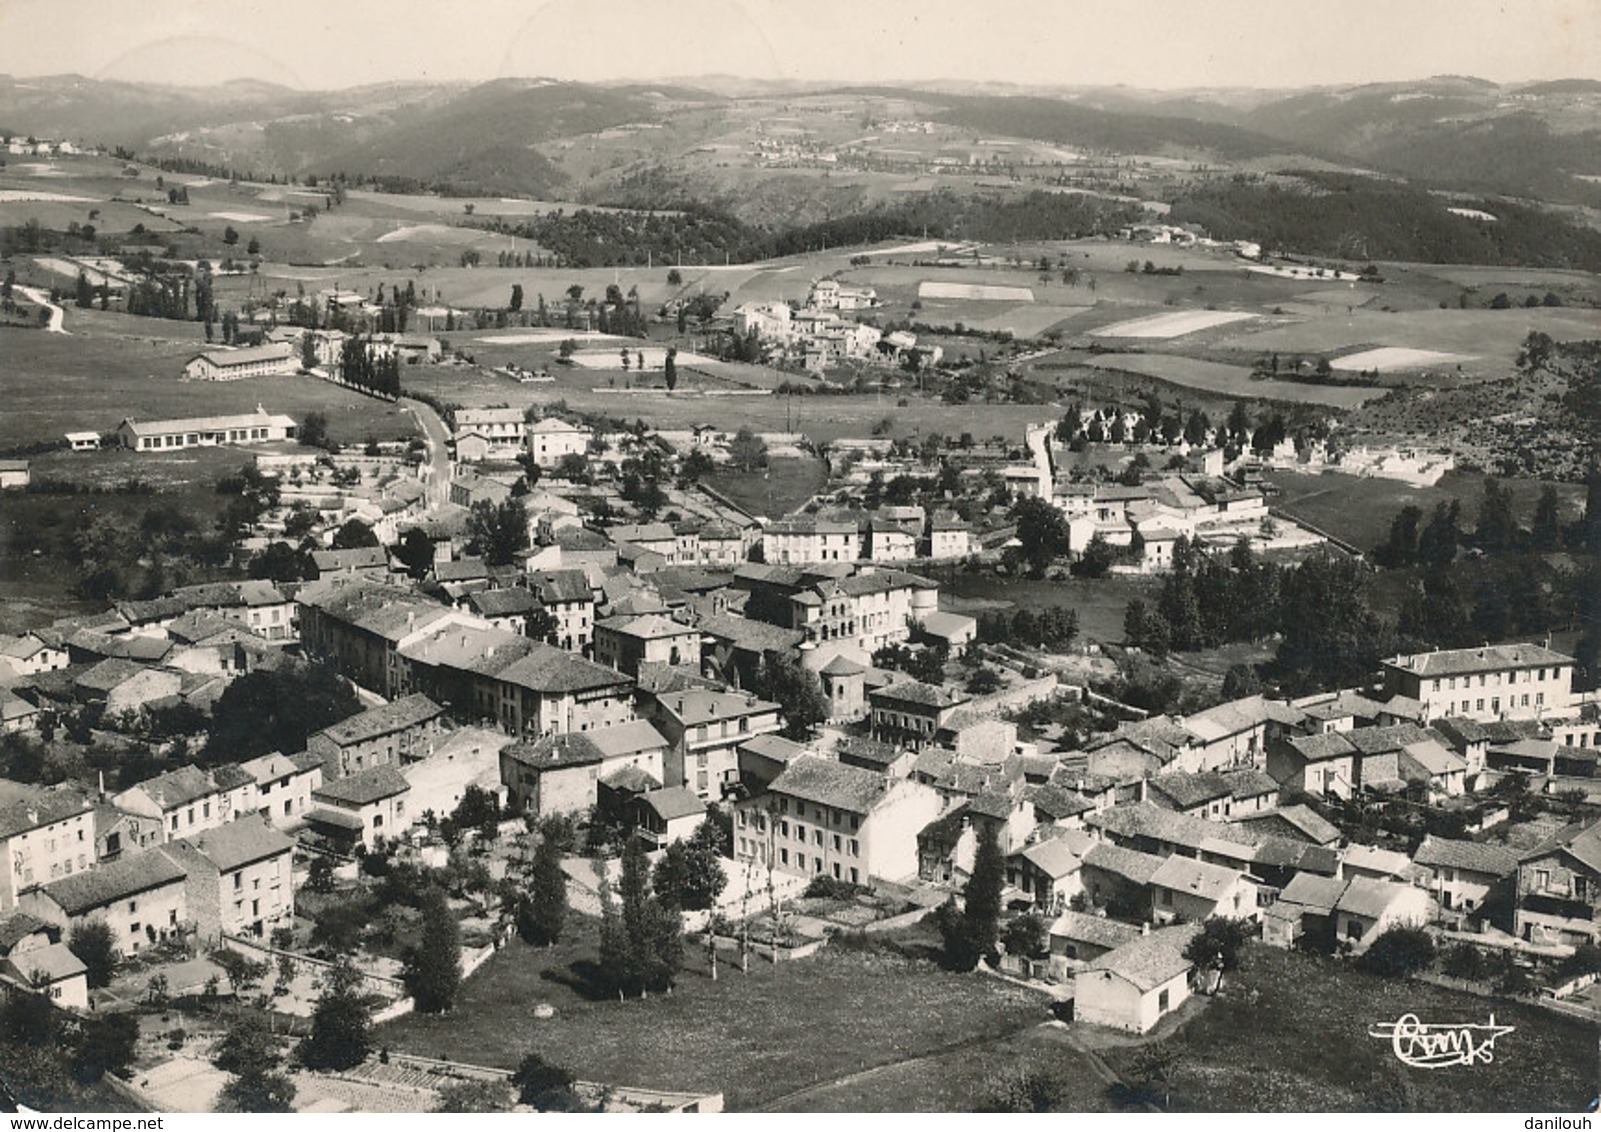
(864, 610)
(239, 879)
(225, 364)
(626, 642)
(1494, 682)
(44, 835)
(824, 818)
(704, 730)
(382, 736)
(807, 539)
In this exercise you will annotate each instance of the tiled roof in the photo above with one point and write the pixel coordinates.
(1187, 791)
(54, 962)
(111, 881)
(626, 739)
(363, 787)
(1473, 856)
(235, 844)
(674, 802)
(1053, 858)
(1317, 894)
(1127, 863)
(1302, 817)
(1056, 802)
(1491, 658)
(1382, 740)
(178, 787)
(1460, 731)
(503, 603)
(828, 783)
(1080, 927)
(1369, 898)
(919, 693)
(749, 635)
(1318, 748)
(1151, 960)
(38, 808)
(692, 709)
(632, 779)
(1183, 874)
(1581, 841)
(1375, 860)
(775, 747)
(386, 719)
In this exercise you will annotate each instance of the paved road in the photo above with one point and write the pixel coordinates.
(57, 315)
(437, 437)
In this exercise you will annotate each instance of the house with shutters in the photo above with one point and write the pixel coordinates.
(239, 879)
(1559, 887)
(44, 835)
(1512, 681)
(141, 897)
(185, 801)
(1462, 875)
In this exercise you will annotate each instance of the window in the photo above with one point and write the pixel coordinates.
(817, 837)
(800, 860)
(205, 809)
(133, 906)
(783, 856)
(783, 829)
(238, 881)
(836, 843)
(856, 849)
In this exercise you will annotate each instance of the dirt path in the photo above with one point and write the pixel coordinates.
(57, 315)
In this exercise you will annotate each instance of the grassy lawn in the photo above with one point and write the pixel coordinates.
(1360, 509)
(954, 1081)
(1100, 602)
(54, 383)
(790, 481)
(1290, 1033)
(754, 1037)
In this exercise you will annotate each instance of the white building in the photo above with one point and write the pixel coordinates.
(259, 427)
(225, 364)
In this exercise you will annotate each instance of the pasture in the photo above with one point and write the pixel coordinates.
(1212, 377)
(1174, 324)
(55, 383)
(1390, 359)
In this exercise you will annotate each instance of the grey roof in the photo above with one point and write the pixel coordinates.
(1127, 863)
(1369, 898)
(235, 844)
(363, 787)
(1581, 841)
(1151, 960)
(1491, 658)
(54, 961)
(386, 719)
(1318, 748)
(1081, 927)
(1382, 740)
(812, 778)
(774, 747)
(19, 926)
(1187, 791)
(1053, 858)
(1302, 817)
(38, 808)
(1472, 856)
(1315, 893)
(750, 635)
(1058, 802)
(632, 779)
(177, 787)
(919, 693)
(1460, 731)
(1183, 874)
(674, 802)
(111, 881)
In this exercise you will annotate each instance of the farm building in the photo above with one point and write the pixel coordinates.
(231, 365)
(260, 427)
(14, 473)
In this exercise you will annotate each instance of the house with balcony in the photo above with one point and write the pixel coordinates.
(911, 713)
(1559, 887)
(704, 730)
(664, 816)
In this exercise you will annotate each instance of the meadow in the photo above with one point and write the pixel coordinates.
(1212, 377)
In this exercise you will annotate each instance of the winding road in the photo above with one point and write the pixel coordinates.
(57, 315)
(437, 437)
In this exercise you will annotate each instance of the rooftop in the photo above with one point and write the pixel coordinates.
(674, 802)
(1151, 960)
(1489, 658)
(235, 844)
(363, 787)
(1473, 856)
(398, 715)
(812, 778)
(111, 881)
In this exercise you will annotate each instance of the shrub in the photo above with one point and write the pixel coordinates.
(1399, 952)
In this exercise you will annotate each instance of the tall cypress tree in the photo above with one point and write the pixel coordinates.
(542, 911)
(433, 968)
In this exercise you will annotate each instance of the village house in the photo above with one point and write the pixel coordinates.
(51, 970)
(185, 801)
(366, 808)
(29, 653)
(949, 537)
(558, 774)
(1304, 909)
(911, 712)
(1236, 733)
(823, 818)
(357, 562)
(763, 758)
(1048, 872)
(1118, 879)
(141, 897)
(239, 879)
(391, 733)
(854, 610)
(1324, 763)
(1464, 874)
(807, 539)
(1192, 891)
(1559, 887)
(44, 835)
(1078, 938)
(483, 434)
(255, 605)
(1134, 986)
(1368, 908)
(568, 597)
(283, 786)
(550, 439)
(225, 364)
(661, 817)
(626, 642)
(465, 758)
(259, 427)
(704, 730)
(1515, 681)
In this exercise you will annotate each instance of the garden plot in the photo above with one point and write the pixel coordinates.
(242, 217)
(1028, 321)
(988, 292)
(1175, 324)
(1389, 359)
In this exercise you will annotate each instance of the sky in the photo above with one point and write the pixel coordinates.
(1156, 44)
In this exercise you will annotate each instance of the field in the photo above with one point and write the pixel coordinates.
(788, 483)
(838, 1013)
(1171, 325)
(1359, 509)
(1389, 359)
(1218, 377)
(1100, 604)
(55, 383)
(935, 289)
(1289, 1033)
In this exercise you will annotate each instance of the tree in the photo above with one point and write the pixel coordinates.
(314, 430)
(1096, 559)
(432, 971)
(106, 1045)
(542, 909)
(85, 293)
(230, 236)
(1042, 531)
(416, 552)
(258, 1092)
(543, 1086)
(498, 531)
(253, 247)
(354, 534)
(475, 1096)
(340, 1023)
(796, 690)
(690, 874)
(1547, 526)
(1399, 953)
(275, 710)
(1026, 936)
(1497, 529)
(971, 933)
(1032, 1088)
(747, 450)
(96, 947)
(670, 369)
(249, 1045)
(516, 303)
(1401, 548)
(1217, 946)
(641, 943)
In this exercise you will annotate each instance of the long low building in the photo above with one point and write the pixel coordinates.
(260, 427)
(231, 365)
